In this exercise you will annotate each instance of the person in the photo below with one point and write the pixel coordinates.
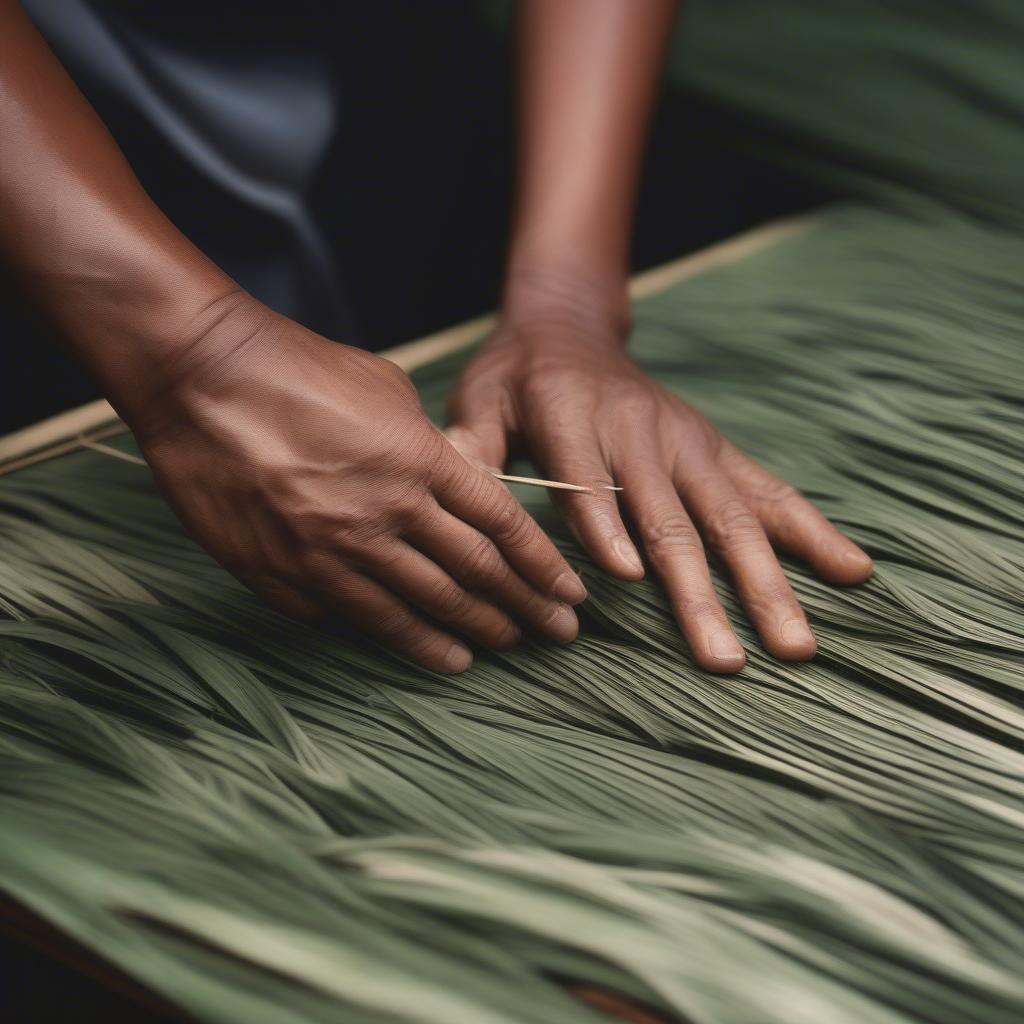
(307, 468)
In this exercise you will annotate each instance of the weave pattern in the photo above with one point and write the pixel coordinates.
(268, 822)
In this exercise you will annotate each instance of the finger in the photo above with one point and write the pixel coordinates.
(373, 610)
(794, 525)
(594, 516)
(677, 556)
(475, 562)
(477, 416)
(424, 584)
(481, 443)
(477, 498)
(732, 530)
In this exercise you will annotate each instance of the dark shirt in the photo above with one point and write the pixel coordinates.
(327, 156)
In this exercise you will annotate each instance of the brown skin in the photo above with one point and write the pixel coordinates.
(306, 467)
(556, 376)
(309, 470)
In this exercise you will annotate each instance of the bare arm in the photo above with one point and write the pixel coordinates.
(123, 283)
(588, 70)
(557, 375)
(306, 467)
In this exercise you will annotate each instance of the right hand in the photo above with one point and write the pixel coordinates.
(588, 414)
(308, 469)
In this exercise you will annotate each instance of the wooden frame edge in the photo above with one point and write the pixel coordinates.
(96, 420)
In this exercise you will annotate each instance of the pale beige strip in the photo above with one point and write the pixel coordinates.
(62, 433)
(106, 449)
(557, 485)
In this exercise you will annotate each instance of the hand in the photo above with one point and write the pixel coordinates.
(589, 415)
(308, 470)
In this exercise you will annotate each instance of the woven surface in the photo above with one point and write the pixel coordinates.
(271, 823)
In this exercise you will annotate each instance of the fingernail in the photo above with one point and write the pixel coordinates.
(796, 631)
(857, 559)
(458, 658)
(725, 647)
(562, 624)
(569, 588)
(627, 554)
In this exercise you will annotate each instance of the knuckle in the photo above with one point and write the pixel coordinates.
(391, 624)
(428, 647)
(698, 608)
(448, 599)
(307, 519)
(770, 598)
(384, 559)
(732, 525)
(598, 519)
(459, 475)
(349, 537)
(314, 523)
(396, 377)
(646, 466)
(671, 533)
(511, 525)
(404, 449)
(505, 632)
(776, 492)
(416, 505)
(600, 496)
(482, 566)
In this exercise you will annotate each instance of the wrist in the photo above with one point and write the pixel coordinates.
(589, 301)
(141, 329)
(173, 368)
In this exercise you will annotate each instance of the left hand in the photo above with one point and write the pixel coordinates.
(588, 415)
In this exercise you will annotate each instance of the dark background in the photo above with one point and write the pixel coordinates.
(412, 190)
(412, 193)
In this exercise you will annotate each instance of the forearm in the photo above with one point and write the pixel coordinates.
(588, 70)
(123, 284)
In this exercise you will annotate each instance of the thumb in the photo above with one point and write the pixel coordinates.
(477, 428)
(482, 443)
